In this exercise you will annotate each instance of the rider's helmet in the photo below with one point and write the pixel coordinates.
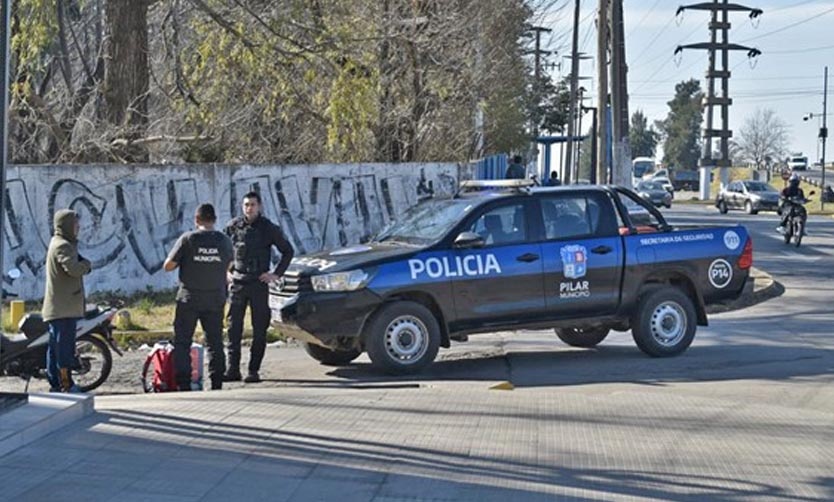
(794, 179)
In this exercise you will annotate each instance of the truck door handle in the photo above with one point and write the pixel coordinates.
(528, 258)
(602, 250)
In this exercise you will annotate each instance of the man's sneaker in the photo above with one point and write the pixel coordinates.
(232, 376)
(252, 377)
(780, 229)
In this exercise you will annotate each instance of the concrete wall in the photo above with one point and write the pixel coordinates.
(131, 215)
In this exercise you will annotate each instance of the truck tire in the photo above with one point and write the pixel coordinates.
(665, 322)
(579, 337)
(748, 208)
(722, 207)
(329, 357)
(402, 338)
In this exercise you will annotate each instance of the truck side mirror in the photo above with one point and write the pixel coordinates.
(469, 240)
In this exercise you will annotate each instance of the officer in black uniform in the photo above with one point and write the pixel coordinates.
(253, 237)
(203, 257)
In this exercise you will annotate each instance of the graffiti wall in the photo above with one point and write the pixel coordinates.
(131, 215)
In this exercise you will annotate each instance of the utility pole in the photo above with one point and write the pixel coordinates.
(537, 69)
(619, 98)
(593, 136)
(602, 87)
(4, 123)
(724, 134)
(824, 134)
(574, 87)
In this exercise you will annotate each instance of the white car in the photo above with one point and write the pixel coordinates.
(660, 173)
(666, 182)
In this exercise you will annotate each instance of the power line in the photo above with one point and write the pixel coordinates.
(797, 51)
(643, 19)
(651, 44)
(792, 25)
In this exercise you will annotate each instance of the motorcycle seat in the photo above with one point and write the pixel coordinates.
(11, 341)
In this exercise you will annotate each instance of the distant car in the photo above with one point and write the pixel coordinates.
(752, 196)
(666, 183)
(660, 173)
(655, 193)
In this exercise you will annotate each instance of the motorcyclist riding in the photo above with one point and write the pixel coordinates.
(789, 193)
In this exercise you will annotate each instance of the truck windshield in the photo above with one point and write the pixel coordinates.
(426, 222)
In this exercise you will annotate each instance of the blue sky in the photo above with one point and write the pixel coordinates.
(796, 38)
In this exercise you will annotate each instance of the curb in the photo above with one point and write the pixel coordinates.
(43, 414)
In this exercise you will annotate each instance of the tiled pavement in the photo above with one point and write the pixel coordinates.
(452, 442)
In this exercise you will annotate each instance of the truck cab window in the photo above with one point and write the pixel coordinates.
(502, 225)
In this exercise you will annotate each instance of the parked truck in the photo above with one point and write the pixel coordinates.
(583, 260)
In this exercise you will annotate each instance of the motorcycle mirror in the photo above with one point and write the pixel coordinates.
(14, 274)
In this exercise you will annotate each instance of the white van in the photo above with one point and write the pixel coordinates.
(797, 163)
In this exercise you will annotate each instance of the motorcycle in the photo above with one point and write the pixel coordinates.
(797, 218)
(23, 354)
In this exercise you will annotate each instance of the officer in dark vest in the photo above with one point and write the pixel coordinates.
(203, 257)
(253, 237)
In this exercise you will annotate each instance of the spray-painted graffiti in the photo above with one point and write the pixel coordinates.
(130, 216)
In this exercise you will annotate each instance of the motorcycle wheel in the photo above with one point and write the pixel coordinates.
(797, 233)
(93, 362)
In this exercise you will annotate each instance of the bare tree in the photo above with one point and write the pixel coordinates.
(764, 135)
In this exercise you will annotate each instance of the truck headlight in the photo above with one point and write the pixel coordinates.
(340, 281)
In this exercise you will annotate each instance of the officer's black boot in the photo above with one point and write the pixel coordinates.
(232, 374)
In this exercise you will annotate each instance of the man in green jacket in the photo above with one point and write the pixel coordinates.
(63, 301)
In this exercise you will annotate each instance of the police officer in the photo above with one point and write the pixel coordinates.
(203, 257)
(253, 237)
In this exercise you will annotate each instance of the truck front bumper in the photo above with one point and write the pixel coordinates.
(323, 318)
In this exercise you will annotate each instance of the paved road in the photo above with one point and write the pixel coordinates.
(816, 174)
(746, 414)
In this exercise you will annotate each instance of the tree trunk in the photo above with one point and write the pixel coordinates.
(126, 74)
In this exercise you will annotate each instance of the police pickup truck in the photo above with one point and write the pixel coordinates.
(505, 255)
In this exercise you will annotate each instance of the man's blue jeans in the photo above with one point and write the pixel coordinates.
(61, 353)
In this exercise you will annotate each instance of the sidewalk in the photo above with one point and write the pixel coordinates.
(450, 442)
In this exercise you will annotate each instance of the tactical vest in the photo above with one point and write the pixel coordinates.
(252, 247)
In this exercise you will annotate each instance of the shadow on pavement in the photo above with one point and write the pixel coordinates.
(258, 463)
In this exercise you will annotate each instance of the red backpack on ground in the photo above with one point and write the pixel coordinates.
(160, 362)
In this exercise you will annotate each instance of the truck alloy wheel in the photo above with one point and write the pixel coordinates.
(665, 322)
(330, 357)
(403, 337)
(582, 337)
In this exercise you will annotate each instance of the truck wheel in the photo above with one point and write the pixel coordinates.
(665, 322)
(748, 208)
(329, 357)
(402, 338)
(722, 207)
(579, 337)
